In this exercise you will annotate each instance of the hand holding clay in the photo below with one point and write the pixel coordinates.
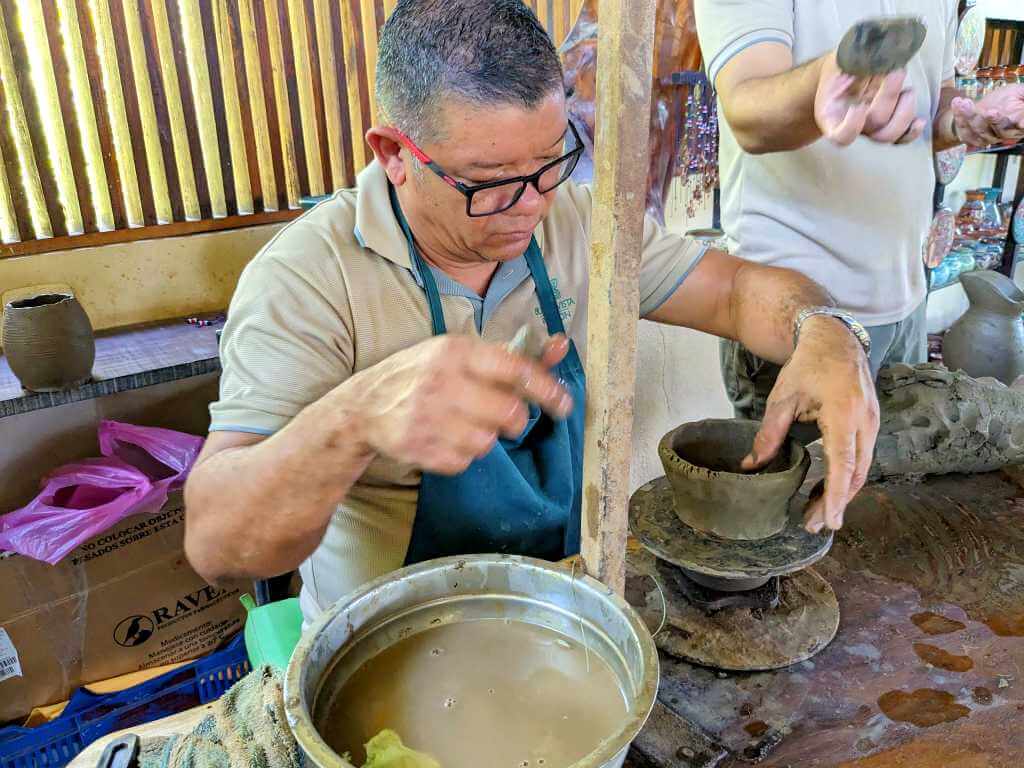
(827, 380)
(996, 119)
(443, 403)
(879, 107)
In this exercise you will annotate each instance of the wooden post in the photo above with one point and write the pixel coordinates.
(624, 65)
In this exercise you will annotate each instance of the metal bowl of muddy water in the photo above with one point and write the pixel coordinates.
(463, 589)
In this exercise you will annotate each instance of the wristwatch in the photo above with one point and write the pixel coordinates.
(856, 328)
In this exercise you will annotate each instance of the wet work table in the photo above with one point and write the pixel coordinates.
(927, 668)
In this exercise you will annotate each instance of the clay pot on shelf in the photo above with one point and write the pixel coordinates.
(714, 495)
(989, 339)
(48, 341)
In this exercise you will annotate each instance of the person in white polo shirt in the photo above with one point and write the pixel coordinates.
(371, 412)
(836, 187)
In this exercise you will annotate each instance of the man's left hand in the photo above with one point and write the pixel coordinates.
(996, 119)
(827, 380)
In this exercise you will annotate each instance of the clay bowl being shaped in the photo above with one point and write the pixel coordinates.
(48, 341)
(714, 495)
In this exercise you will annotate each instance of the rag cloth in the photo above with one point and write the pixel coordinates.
(247, 728)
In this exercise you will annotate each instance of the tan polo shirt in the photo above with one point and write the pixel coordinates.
(334, 293)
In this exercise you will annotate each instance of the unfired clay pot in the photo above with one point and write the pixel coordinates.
(988, 341)
(712, 494)
(48, 342)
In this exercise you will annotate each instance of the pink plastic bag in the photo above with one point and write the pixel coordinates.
(139, 468)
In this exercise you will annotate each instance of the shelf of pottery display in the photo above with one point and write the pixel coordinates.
(1009, 149)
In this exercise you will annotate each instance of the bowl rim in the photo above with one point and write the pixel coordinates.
(799, 456)
(298, 710)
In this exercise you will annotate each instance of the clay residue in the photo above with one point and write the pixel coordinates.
(1006, 625)
(934, 624)
(917, 754)
(924, 707)
(932, 654)
(935, 422)
(956, 539)
(757, 728)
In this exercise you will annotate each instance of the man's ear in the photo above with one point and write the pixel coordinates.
(388, 150)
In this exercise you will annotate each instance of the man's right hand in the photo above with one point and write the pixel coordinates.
(443, 403)
(882, 108)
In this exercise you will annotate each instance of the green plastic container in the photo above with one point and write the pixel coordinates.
(272, 631)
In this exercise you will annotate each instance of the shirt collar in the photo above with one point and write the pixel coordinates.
(376, 225)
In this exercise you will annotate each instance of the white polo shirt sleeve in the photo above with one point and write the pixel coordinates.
(728, 27)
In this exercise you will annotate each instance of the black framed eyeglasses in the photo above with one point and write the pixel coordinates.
(497, 196)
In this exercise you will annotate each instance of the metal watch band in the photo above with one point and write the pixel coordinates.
(856, 328)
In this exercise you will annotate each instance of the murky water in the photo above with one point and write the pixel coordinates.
(923, 707)
(482, 693)
(938, 657)
(934, 624)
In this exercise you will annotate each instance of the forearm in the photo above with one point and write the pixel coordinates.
(260, 510)
(775, 113)
(944, 134)
(763, 307)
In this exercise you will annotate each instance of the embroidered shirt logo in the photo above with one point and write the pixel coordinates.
(565, 304)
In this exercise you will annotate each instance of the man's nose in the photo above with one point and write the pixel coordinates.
(529, 202)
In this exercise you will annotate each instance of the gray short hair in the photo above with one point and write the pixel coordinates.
(487, 52)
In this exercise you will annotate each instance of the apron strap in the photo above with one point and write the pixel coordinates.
(534, 259)
(426, 275)
(542, 285)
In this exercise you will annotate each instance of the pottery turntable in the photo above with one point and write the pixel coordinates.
(729, 554)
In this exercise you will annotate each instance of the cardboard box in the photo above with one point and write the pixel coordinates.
(125, 601)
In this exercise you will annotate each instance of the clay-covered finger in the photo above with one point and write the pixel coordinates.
(982, 128)
(474, 442)
(901, 120)
(814, 516)
(555, 350)
(891, 95)
(527, 378)
(1005, 129)
(844, 132)
(915, 132)
(865, 454)
(493, 408)
(840, 445)
(778, 418)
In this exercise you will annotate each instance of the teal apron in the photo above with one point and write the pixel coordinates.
(524, 497)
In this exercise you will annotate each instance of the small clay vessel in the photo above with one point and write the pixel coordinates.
(880, 46)
(988, 341)
(48, 342)
(714, 495)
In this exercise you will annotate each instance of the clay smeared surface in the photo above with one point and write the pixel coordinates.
(953, 561)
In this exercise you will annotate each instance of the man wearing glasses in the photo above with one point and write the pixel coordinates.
(371, 411)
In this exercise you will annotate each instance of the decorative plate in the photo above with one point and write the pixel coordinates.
(1018, 224)
(970, 39)
(948, 164)
(940, 238)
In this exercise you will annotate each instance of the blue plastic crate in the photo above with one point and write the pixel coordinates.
(90, 716)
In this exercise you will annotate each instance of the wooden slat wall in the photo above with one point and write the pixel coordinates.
(151, 114)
